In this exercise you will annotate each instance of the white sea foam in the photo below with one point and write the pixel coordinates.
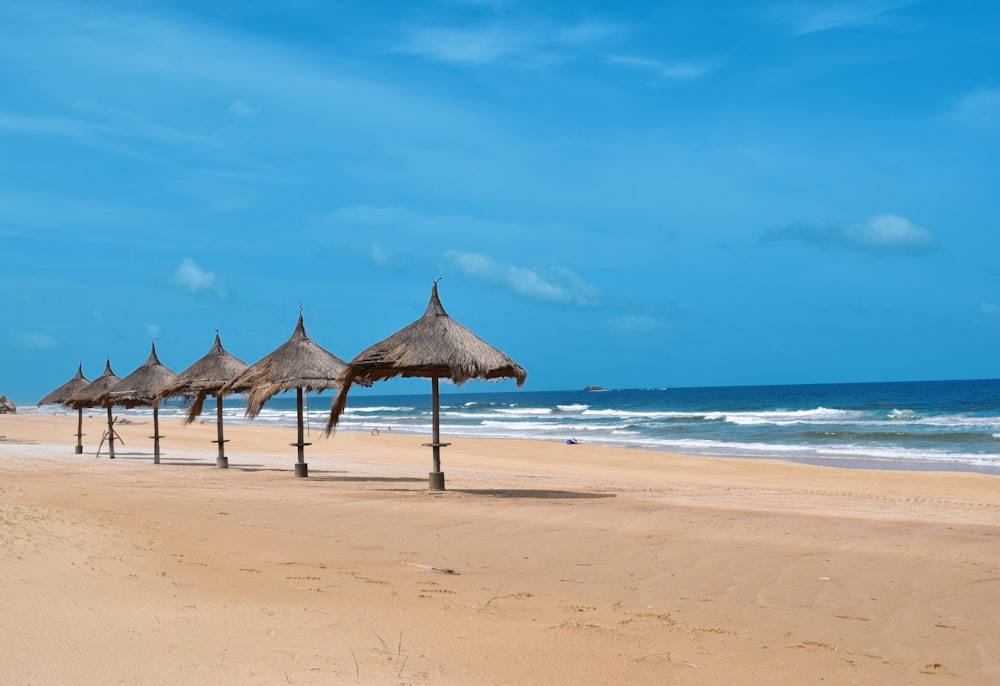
(632, 414)
(520, 426)
(820, 415)
(955, 420)
(373, 410)
(530, 411)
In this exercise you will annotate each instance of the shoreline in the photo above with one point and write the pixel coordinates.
(574, 564)
(862, 462)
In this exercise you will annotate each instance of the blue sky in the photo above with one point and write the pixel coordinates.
(629, 194)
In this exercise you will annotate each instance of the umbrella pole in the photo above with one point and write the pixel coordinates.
(79, 430)
(156, 434)
(436, 477)
(111, 435)
(222, 462)
(301, 468)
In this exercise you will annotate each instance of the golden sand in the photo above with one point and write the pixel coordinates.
(571, 565)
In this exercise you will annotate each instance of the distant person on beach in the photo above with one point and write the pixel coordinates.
(571, 441)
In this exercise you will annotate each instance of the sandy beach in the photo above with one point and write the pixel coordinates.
(544, 563)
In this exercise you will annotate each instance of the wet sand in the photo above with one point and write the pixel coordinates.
(543, 563)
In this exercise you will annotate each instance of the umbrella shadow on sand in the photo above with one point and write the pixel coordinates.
(538, 493)
(139, 456)
(279, 470)
(374, 479)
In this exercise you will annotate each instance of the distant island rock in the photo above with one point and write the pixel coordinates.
(593, 388)
(7, 406)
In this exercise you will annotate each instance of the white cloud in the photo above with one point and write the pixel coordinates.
(466, 46)
(113, 45)
(588, 33)
(669, 70)
(887, 234)
(477, 265)
(242, 108)
(192, 277)
(979, 109)
(35, 341)
(552, 284)
(380, 254)
(59, 126)
(804, 19)
(633, 324)
(491, 4)
(525, 43)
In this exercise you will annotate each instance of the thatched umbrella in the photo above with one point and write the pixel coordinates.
(206, 377)
(90, 396)
(62, 395)
(297, 364)
(139, 388)
(435, 347)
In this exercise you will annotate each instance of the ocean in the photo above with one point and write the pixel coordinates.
(930, 425)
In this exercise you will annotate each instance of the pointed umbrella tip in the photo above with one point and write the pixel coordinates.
(434, 306)
(153, 359)
(300, 328)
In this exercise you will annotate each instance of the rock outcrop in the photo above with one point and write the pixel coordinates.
(7, 406)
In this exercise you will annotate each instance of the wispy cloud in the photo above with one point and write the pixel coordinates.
(114, 126)
(469, 46)
(242, 108)
(195, 279)
(111, 51)
(380, 254)
(803, 19)
(588, 33)
(637, 324)
(35, 340)
(552, 284)
(534, 44)
(886, 234)
(41, 124)
(668, 70)
(528, 43)
(979, 109)
(491, 4)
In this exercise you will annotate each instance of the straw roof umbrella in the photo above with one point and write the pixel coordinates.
(435, 347)
(206, 377)
(139, 388)
(90, 396)
(297, 364)
(62, 395)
